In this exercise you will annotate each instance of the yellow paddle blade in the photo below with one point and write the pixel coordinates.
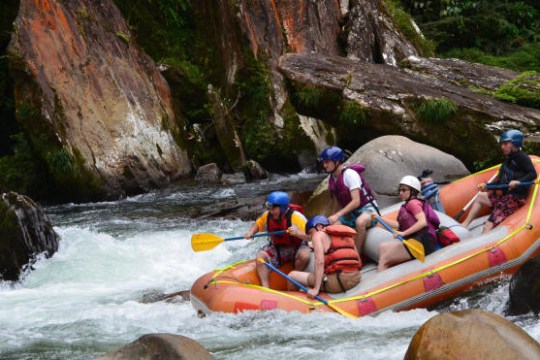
(205, 241)
(416, 248)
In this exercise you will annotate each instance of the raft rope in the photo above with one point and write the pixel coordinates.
(223, 269)
(312, 304)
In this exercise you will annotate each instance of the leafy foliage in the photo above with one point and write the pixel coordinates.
(437, 111)
(523, 90)
(493, 27)
(524, 58)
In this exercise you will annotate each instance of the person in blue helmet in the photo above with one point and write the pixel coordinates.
(355, 200)
(289, 247)
(337, 263)
(516, 168)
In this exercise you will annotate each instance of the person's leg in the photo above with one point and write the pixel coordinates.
(487, 226)
(363, 222)
(481, 200)
(301, 259)
(304, 278)
(262, 270)
(392, 253)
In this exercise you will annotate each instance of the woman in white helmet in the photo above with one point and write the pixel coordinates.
(412, 222)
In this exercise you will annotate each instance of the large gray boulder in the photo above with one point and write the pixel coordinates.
(160, 346)
(25, 232)
(387, 160)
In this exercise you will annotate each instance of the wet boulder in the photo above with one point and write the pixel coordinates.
(159, 346)
(525, 289)
(471, 334)
(25, 233)
(208, 174)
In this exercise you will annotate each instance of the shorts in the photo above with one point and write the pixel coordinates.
(283, 254)
(503, 206)
(426, 239)
(331, 282)
(350, 218)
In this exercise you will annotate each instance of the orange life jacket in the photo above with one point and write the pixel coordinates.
(341, 255)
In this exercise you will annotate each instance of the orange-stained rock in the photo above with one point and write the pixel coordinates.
(471, 335)
(96, 93)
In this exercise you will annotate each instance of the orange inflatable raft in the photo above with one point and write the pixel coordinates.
(476, 260)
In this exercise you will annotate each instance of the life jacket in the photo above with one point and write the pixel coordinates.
(406, 219)
(283, 224)
(343, 194)
(341, 255)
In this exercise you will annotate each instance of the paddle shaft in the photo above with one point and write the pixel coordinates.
(300, 286)
(460, 214)
(388, 228)
(304, 289)
(257, 235)
(505, 186)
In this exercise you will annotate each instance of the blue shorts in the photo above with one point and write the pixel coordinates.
(350, 218)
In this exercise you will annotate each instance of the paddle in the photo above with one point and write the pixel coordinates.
(505, 186)
(304, 289)
(462, 211)
(415, 247)
(207, 241)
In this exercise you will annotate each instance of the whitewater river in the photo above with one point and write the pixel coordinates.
(96, 293)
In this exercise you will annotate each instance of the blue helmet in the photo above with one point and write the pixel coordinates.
(316, 220)
(514, 136)
(332, 153)
(278, 198)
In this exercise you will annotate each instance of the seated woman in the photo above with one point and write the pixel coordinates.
(337, 263)
(412, 222)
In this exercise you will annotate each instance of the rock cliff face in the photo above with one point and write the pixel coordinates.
(87, 89)
(390, 101)
(269, 29)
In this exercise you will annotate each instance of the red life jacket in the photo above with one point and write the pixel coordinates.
(341, 255)
(282, 224)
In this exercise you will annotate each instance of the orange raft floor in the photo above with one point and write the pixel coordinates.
(476, 260)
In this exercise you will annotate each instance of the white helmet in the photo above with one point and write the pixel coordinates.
(411, 181)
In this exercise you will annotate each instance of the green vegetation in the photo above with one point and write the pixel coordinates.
(352, 114)
(403, 22)
(494, 32)
(523, 90)
(123, 36)
(436, 111)
(309, 96)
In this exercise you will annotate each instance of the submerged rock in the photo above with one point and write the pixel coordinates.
(525, 289)
(159, 346)
(25, 232)
(473, 335)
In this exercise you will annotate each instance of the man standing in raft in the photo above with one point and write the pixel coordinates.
(353, 195)
(337, 263)
(283, 248)
(516, 168)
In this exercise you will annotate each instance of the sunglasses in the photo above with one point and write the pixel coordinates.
(269, 205)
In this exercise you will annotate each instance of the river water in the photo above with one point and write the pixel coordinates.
(96, 293)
